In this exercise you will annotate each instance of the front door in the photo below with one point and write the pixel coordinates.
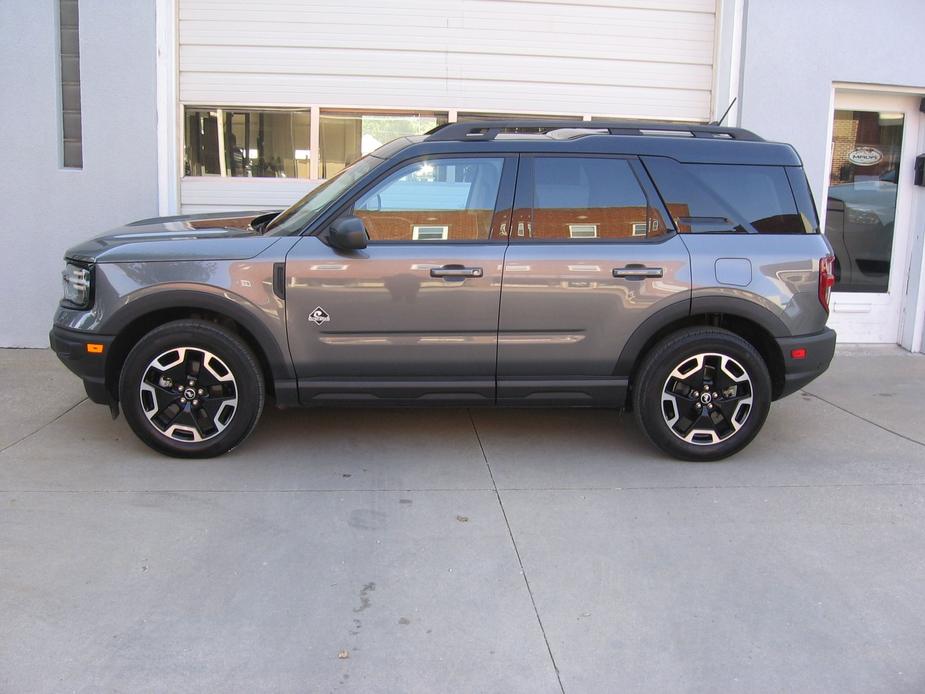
(867, 212)
(414, 316)
(589, 260)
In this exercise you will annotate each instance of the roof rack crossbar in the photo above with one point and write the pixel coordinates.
(490, 129)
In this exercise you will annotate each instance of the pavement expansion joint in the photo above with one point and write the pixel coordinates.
(523, 570)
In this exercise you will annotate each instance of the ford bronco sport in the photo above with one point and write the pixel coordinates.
(673, 269)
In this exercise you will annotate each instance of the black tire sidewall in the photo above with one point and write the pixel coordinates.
(227, 347)
(671, 352)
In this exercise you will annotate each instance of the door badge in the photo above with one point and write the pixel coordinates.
(319, 316)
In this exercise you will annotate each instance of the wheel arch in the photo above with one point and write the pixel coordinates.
(749, 321)
(139, 317)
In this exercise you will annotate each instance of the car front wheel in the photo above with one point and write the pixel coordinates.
(702, 394)
(191, 389)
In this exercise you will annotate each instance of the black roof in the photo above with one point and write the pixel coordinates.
(685, 142)
(490, 129)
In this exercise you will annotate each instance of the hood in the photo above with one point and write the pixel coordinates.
(213, 236)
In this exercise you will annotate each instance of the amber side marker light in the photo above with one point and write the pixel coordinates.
(798, 353)
(94, 348)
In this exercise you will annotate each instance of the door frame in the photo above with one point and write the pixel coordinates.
(886, 312)
(420, 390)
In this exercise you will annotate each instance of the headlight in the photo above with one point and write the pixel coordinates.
(77, 285)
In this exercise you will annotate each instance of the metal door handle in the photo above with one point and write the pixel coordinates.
(637, 272)
(455, 271)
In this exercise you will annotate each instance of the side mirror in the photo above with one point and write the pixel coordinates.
(348, 234)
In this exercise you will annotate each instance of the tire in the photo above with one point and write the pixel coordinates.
(702, 394)
(191, 389)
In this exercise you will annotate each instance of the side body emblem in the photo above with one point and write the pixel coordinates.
(319, 316)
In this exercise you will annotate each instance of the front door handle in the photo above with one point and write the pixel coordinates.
(455, 271)
(637, 272)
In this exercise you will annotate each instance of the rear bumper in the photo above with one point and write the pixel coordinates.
(820, 348)
(71, 348)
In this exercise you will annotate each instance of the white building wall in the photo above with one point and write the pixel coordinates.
(46, 208)
(795, 51)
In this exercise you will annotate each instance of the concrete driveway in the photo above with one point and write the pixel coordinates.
(448, 550)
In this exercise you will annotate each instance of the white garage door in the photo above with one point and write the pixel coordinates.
(627, 58)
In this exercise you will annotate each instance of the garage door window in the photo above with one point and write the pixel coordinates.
(346, 136)
(247, 143)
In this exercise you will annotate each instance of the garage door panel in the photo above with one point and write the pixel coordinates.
(318, 63)
(644, 58)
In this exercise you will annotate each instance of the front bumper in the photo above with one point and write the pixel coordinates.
(71, 348)
(819, 350)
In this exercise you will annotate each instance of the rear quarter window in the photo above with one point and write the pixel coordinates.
(712, 198)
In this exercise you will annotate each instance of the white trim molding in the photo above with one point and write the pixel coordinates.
(727, 59)
(912, 335)
(168, 111)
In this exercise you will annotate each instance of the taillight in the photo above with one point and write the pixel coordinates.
(826, 280)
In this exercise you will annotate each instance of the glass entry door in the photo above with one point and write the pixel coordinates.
(867, 217)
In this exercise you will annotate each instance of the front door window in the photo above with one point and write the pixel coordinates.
(861, 206)
(434, 200)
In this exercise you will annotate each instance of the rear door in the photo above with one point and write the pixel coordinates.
(414, 316)
(590, 259)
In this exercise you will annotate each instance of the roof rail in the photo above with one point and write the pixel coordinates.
(490, 129)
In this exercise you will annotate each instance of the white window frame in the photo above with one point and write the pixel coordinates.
(416, 230)
(582, 231)
(640, 228)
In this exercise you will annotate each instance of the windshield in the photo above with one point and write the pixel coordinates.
(305, 210)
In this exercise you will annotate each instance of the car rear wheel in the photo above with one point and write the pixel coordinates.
(191, 389)
(702, 394)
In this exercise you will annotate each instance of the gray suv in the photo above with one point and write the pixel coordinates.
(676, 270)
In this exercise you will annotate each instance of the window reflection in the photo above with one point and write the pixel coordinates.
(240, 142)
(759, 195)
(437, 200)
(861, 205)
(586, 198)
(348, 135)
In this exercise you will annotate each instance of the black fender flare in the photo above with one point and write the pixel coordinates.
(680, 310)
(279, 362)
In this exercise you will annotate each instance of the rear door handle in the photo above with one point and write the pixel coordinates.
(637, 272)
(455, 271)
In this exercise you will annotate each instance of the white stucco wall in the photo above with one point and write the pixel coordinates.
(793, 54)
(46, 209)
(795, 50)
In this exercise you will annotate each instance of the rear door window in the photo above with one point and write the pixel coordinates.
(585, 199)
(727, 197)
